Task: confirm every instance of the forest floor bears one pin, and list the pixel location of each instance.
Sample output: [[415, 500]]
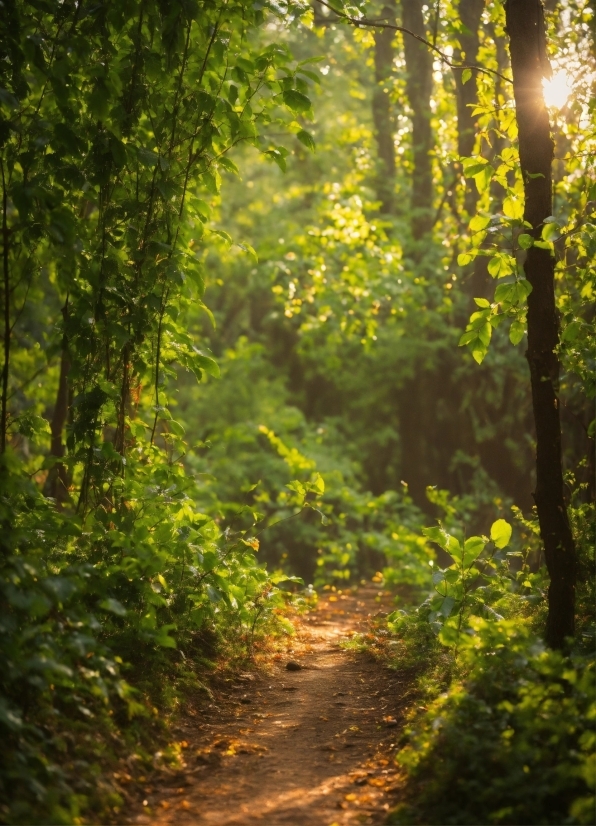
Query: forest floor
[[313, 745]]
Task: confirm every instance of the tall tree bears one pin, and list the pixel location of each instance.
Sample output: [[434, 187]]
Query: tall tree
[[383, 117], [529, 62], [470, 14], [419, 84]]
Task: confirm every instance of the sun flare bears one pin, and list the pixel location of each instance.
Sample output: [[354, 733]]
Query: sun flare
[[557, 90]]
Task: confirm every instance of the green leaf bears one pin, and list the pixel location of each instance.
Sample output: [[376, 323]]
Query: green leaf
[[310, 75], [297, 487], [202, 207], [279, 576], [449, 633], [296, 101], [228, 163], [516, 332], [436, 535], [484, 178], [479, 351], [233, 93], [206, 363], [147, 157], [482, 302], [29, 425], [472, 166], [206, 309], [446, 607], [138, 429], [222, 234], [523, 288], [163, 639], [278, 155], [513, 207], [212, 181], [467, 337], [214, 594], [525, 241], [308, 60], [473, 547], [444, 540], [479, 222], [317, 484], [504, 293], [500, 265], [466, 75], [306, 138], [176, 428], [572, 331], [500, 533], [113, 606], [550, 231], [250, 250]]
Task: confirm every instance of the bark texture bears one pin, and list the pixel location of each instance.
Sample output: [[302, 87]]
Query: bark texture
[[382, 110], [434, 420], [416, 399], [470, 13], [529, 63], [419, 84], [58, 479]]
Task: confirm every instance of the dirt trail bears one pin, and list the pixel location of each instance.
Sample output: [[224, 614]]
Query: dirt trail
[[311, 746]]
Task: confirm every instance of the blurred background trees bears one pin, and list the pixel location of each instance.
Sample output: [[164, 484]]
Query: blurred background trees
[[363, 282]]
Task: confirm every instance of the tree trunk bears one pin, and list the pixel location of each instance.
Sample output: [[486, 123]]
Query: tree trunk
[[529, 63], [470, 13], [381, 110], [58, 480], [417, 397], [419, 84]]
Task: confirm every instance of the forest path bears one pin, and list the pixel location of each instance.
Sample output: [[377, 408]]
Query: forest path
[[307, 746]]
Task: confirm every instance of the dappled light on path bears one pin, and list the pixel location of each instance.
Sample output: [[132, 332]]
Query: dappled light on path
[[309, 746]]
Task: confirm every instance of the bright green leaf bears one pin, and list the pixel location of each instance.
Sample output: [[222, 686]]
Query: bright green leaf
[[500, 533]]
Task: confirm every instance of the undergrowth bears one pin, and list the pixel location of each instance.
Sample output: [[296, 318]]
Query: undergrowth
[[503, 730]]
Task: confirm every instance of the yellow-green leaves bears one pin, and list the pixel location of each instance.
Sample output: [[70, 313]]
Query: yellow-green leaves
[[501, 264], [516, 332], [473, 547], [480, 170], [513, 207], [478, 333], [500, 533], [441, 537]]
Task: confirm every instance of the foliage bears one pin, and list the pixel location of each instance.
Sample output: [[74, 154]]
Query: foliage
[[508, 732], [352, 532], [115, 121], [220, 352], [512, 740]]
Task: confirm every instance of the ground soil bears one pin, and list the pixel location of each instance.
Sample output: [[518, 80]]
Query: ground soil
[[311, 746]]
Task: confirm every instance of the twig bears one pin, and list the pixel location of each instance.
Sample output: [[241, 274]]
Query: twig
[[378, 24]]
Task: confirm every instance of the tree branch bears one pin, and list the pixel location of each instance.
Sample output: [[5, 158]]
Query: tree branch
[[378, 24]]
